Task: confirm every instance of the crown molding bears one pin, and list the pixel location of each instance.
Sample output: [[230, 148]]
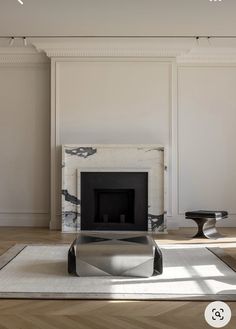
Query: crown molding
[[21, 55], [184, 52], [208, 55], [131, 47], [110, 52]]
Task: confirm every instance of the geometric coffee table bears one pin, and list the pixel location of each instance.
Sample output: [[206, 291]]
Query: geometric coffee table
[[114, 254], [206, 222]]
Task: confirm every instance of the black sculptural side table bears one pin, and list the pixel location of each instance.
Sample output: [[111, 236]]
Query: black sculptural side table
[[206, 222]]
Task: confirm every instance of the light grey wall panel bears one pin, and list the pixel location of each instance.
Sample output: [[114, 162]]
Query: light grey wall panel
[[206, 138], [114, 101], [24, 144]]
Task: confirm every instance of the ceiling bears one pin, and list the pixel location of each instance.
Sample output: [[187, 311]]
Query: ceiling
[[117, 18]]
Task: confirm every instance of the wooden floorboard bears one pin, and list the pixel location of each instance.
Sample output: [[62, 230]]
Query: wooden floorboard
[[85, 314]]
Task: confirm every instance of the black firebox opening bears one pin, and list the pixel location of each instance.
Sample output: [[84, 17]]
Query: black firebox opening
[[114, 205], [114, 201]]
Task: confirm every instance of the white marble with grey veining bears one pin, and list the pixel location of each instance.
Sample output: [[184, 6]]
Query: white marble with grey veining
[[78, 158]]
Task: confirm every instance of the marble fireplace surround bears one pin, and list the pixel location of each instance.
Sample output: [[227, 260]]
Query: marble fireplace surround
[[77, 158]]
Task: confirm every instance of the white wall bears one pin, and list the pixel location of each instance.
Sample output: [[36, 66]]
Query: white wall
[[206, 137], [24, 144], [114, 101], [117, 99]]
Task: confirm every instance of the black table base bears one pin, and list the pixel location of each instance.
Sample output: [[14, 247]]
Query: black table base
[[206, 222]]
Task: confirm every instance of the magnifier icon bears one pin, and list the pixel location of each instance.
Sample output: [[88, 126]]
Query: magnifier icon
[[217, 314]]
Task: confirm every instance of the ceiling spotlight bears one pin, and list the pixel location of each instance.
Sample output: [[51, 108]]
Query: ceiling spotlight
[[11, 41], [21, 2]]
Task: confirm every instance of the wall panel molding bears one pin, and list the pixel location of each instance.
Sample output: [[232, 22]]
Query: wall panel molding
[[55, 128], [217, 110], [24, 108]]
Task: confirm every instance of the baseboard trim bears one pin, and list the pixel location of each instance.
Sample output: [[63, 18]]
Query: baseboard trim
[[21, 219], [172, 224], [43, 220]]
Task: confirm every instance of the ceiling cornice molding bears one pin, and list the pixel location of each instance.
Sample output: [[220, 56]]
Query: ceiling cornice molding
[[184, 53], [21, 55], [111, 52], [131, 47], [204, 55]]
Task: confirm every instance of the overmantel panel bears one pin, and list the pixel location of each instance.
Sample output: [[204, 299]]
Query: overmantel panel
[[59, 106]]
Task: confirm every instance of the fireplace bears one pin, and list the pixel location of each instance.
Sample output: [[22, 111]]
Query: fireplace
[[113, 187], [114, 201]]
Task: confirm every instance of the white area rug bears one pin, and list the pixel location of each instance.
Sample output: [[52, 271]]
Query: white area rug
[[190, 272]]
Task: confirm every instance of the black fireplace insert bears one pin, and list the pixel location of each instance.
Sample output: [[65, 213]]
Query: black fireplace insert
[[114, 201]]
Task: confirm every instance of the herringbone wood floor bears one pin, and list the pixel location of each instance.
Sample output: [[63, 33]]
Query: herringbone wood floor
[[62, 314]]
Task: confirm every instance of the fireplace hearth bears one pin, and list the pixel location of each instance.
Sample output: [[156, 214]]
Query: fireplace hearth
[[114, 201]]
